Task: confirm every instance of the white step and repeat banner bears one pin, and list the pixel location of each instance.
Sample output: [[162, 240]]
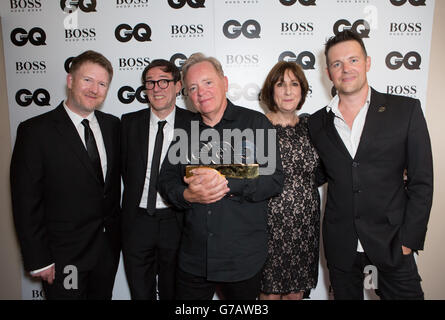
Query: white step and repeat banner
[[247, 36]]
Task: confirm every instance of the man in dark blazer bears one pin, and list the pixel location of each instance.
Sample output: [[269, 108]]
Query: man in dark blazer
[[65, 187], [151, 228], [368, 143]]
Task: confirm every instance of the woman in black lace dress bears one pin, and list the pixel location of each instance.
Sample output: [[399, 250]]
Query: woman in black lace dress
[[294, 216]]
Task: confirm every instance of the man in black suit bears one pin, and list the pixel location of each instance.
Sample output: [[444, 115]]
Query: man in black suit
[[367, 141], [65, 188], [151, 228]]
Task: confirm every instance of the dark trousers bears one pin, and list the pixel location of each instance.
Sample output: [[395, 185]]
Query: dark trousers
[[191, 287], [402, 283], [150, 254], [94, 284]]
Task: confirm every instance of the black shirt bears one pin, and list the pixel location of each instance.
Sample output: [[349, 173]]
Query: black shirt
[[226, 241]]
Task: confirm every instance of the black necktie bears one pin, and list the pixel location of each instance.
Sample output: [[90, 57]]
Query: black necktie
[[93, 153], [152, 189]]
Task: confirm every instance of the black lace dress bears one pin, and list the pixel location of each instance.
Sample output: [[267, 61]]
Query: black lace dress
[[294, 217]]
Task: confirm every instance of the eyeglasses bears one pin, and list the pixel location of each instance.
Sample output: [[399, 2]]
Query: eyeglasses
[[162, 83]]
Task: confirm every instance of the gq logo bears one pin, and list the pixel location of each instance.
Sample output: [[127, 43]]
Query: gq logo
[[305, 59], [35, 36], [84, 5], [360, 27], [415, 3], [127, 95], [302, 2], [178, 4], [67, 64], [411, 60], [141, 32], [251, 29], [25, 98], [250, 92], [178, 59]]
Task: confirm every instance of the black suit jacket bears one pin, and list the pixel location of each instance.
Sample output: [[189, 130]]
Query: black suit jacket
[[367, 198], [60, 207], [134, 153]]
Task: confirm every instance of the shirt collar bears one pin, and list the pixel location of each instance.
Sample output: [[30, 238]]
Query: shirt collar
[[333, 104], [170, 118], [76, 119], [229, 114]]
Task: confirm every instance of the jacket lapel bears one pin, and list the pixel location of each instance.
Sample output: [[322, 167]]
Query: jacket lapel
[[107, 137], [333, 135], [373, 123], [143, 132], [67, 130]]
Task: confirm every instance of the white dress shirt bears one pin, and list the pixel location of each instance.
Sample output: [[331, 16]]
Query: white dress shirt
[[350, 136], [94, 125], [169, 129]]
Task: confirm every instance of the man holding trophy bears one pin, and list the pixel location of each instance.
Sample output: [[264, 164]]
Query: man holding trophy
[[229, 179]]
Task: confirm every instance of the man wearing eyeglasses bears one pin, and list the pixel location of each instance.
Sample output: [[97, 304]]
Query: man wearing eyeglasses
[[151, 228]]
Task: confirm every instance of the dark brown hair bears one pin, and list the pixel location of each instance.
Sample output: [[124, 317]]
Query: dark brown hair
[[167, 67], [93, 57], [346, 35], [275, 75]]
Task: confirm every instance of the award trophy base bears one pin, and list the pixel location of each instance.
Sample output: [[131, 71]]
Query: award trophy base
[[237, 171]]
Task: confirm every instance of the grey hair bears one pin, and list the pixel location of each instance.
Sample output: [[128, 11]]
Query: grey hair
[[199, 57]]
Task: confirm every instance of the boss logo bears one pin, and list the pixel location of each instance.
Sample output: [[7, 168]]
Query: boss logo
[[38, 294], [302, 2], [127, 95], [129, 2], [25, 98], [25, 4], [36, 36], [184, 30], [130, 63], [30, 66], [360, 27], [406, 90], [297, 27], [251, 29], [240, 59], [411, 60], [306, 59], [405, 27], [69, 6], [141, 32], [178, 4], [415, 3], [178, 59], [77, 34], [249, 92]]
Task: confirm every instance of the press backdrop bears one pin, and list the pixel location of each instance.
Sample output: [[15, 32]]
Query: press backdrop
[[247, 36]]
